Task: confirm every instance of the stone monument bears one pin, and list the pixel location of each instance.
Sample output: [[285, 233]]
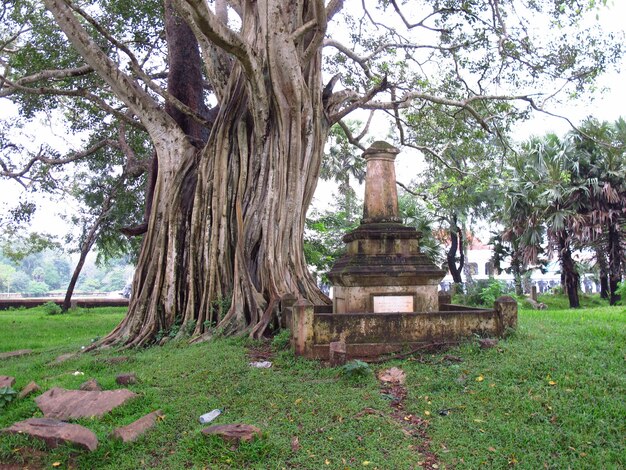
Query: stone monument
[[383, 270]]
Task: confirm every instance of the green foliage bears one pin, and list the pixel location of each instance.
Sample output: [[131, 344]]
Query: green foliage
[[7, 395], [280, 341], [51, 308], [323, 243], [494, 289], [356, 371], [221, 305], [483, 293], [35, 288]]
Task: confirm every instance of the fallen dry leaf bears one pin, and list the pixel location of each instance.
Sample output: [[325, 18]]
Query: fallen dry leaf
[[295, 444], [480, 378], [393, 375]]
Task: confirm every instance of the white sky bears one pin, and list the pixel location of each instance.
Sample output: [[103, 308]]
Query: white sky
[[605, 105]]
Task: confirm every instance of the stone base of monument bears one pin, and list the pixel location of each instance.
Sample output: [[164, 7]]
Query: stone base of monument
[[371, 335], [385, 290]]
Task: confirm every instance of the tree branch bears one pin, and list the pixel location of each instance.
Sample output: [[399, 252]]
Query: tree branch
[[13, 88], [139, 102], [8, 173], [136, 67]]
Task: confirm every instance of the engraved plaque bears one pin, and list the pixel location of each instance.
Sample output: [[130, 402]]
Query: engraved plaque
[[392, 303]]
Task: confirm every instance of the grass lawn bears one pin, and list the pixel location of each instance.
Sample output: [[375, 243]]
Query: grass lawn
[[553, 395]]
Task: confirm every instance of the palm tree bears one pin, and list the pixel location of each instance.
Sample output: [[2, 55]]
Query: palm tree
[[547, 193], [599, 148]]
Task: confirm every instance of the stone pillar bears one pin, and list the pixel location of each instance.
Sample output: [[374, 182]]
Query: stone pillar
[[506, 310], [302, 328], [381, 195], [533, 293], [286, 304]]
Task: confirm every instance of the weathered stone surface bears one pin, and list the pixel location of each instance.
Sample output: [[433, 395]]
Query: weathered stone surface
[[506, 309], [126, 379], [62, 358], [233, 433], [337, 353], [90, 385], [136, 429], [70, 404], [54, 432], [19, 352], [487, 343], [32, 387], [6, 381]]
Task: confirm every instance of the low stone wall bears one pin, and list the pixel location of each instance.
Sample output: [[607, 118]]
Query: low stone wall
[[369, 335], [81, 302]]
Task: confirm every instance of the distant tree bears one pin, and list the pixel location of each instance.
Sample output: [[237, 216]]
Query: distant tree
[[7, 275], [37, 288]]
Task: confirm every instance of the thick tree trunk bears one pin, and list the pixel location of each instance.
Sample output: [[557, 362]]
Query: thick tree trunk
[[568, 271], [238, 241], [615, 261]]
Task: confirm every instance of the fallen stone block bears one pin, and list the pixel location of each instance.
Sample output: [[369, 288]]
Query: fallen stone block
[[54, 432], [32, 387], [18, 353], [71, 404], [6, 381], [487, 343], [136, 429], [126, 379], [233, 433], [90, 385]]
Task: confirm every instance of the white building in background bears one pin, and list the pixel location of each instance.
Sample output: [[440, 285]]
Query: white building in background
[[479, 260]]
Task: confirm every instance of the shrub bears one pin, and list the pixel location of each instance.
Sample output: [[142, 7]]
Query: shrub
[[50, 308], [281, 340], [356, 370], [492, 291], [7, 395]]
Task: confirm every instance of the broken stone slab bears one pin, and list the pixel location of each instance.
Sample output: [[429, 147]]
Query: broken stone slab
[[6, 381], [90, 385], [32, 387], [18, 353], [71, 404], [233, 433], [136, 429], [487, 343], [126, 379], [54, 432], [337, 353]]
